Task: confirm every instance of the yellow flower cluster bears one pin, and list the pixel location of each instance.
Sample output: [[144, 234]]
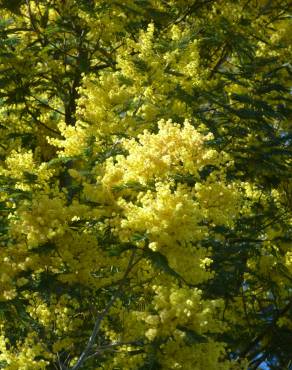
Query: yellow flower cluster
[[20, 165], [174, 149], [83, 260], [182, 307], [167, 217], [75, 139], [177, 355], [28, 355], [42, 220], [172, 215], [57, 316]]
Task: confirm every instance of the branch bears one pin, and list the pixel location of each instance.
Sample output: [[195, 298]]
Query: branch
[[38, 121], [113, 345], [85, 354], [266, 331], [191, 9], [221, 60], [46, 105]]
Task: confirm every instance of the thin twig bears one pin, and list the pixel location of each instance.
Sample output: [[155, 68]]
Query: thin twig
[[38, 121], [266, 331], [85, 354], [46, 105], [111, 346]]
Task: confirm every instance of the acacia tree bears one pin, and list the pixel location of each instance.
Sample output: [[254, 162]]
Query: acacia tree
[[145, 184]]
